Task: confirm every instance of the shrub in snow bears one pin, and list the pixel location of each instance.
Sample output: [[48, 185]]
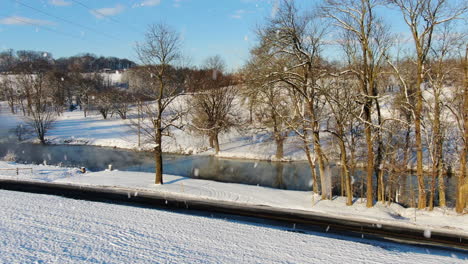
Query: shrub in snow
[[10, 156], [21, 132]]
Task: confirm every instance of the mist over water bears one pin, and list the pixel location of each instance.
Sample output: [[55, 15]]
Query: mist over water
[[280, 175]]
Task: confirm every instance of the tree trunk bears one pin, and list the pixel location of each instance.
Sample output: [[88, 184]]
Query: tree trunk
[[352, 161], [279, 175], [317, 147], [211, 139], [42, 138], [442, 200], [370, 155], [279, 147], [12, 106], [436, 148], [22, 107], [279, 138], [158, 157], [315, 187], [342, 180], [406, 153], [381, 184], [216, 143], [460, 204], [139, 123], [345, 174], [380, 150], [418, 142]]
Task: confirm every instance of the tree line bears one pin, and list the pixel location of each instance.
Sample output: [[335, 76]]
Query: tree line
[[13, 61], [394, 108]]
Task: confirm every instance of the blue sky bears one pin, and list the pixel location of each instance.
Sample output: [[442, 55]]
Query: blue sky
[[208, 27]]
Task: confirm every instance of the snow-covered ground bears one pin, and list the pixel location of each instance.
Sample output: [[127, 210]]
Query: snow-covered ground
[[445, 220], [37, 228], [74, 128]]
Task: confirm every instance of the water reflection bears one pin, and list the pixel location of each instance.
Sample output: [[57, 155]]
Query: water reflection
[[289, 176]]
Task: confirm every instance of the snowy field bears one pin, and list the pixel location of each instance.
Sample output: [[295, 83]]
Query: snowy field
[[74, 128], [445, 220], [37, 228]]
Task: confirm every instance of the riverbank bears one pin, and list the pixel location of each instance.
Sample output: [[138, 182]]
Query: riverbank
[[72, 128], [439, 219]]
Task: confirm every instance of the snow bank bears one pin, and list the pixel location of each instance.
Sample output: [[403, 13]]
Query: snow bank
[[443, 219]]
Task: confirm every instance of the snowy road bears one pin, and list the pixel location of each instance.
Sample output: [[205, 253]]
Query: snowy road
[[38, 228]]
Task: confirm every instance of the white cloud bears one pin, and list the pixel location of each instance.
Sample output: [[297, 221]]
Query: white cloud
[[108, 11], [238, 14], [148, 3], [59, 2], [18, 20]]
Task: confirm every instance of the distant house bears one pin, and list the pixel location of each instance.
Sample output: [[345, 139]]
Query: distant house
[[107, 70]]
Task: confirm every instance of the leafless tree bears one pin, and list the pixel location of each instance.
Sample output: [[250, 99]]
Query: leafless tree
[[212, 101], [58, 82], [459, 109], [41, 113], [300, 37], [422, 18], [121, 102], [464, 153], [365, 41], [158, 54], [9, 91], [441, 74], [87, 86], [104, 96], [267, 95], [343, 111]]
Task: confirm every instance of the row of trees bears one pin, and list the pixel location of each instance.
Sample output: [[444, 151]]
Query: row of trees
[[13, 61], [422, 93], [42, 89], [41, 92]]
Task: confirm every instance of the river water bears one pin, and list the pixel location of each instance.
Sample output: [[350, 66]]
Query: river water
[[280, 175]]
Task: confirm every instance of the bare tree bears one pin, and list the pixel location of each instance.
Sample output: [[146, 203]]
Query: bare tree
[[212, 101], [9, 91], [86, 85], [300, 37], [104, 96], [441, 75], [365, 40], [267, 96], [464, 153], [459, 109], [41, 113], [121, 102], [422, 18], [343, 112], [58, 82], [158, 53]]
